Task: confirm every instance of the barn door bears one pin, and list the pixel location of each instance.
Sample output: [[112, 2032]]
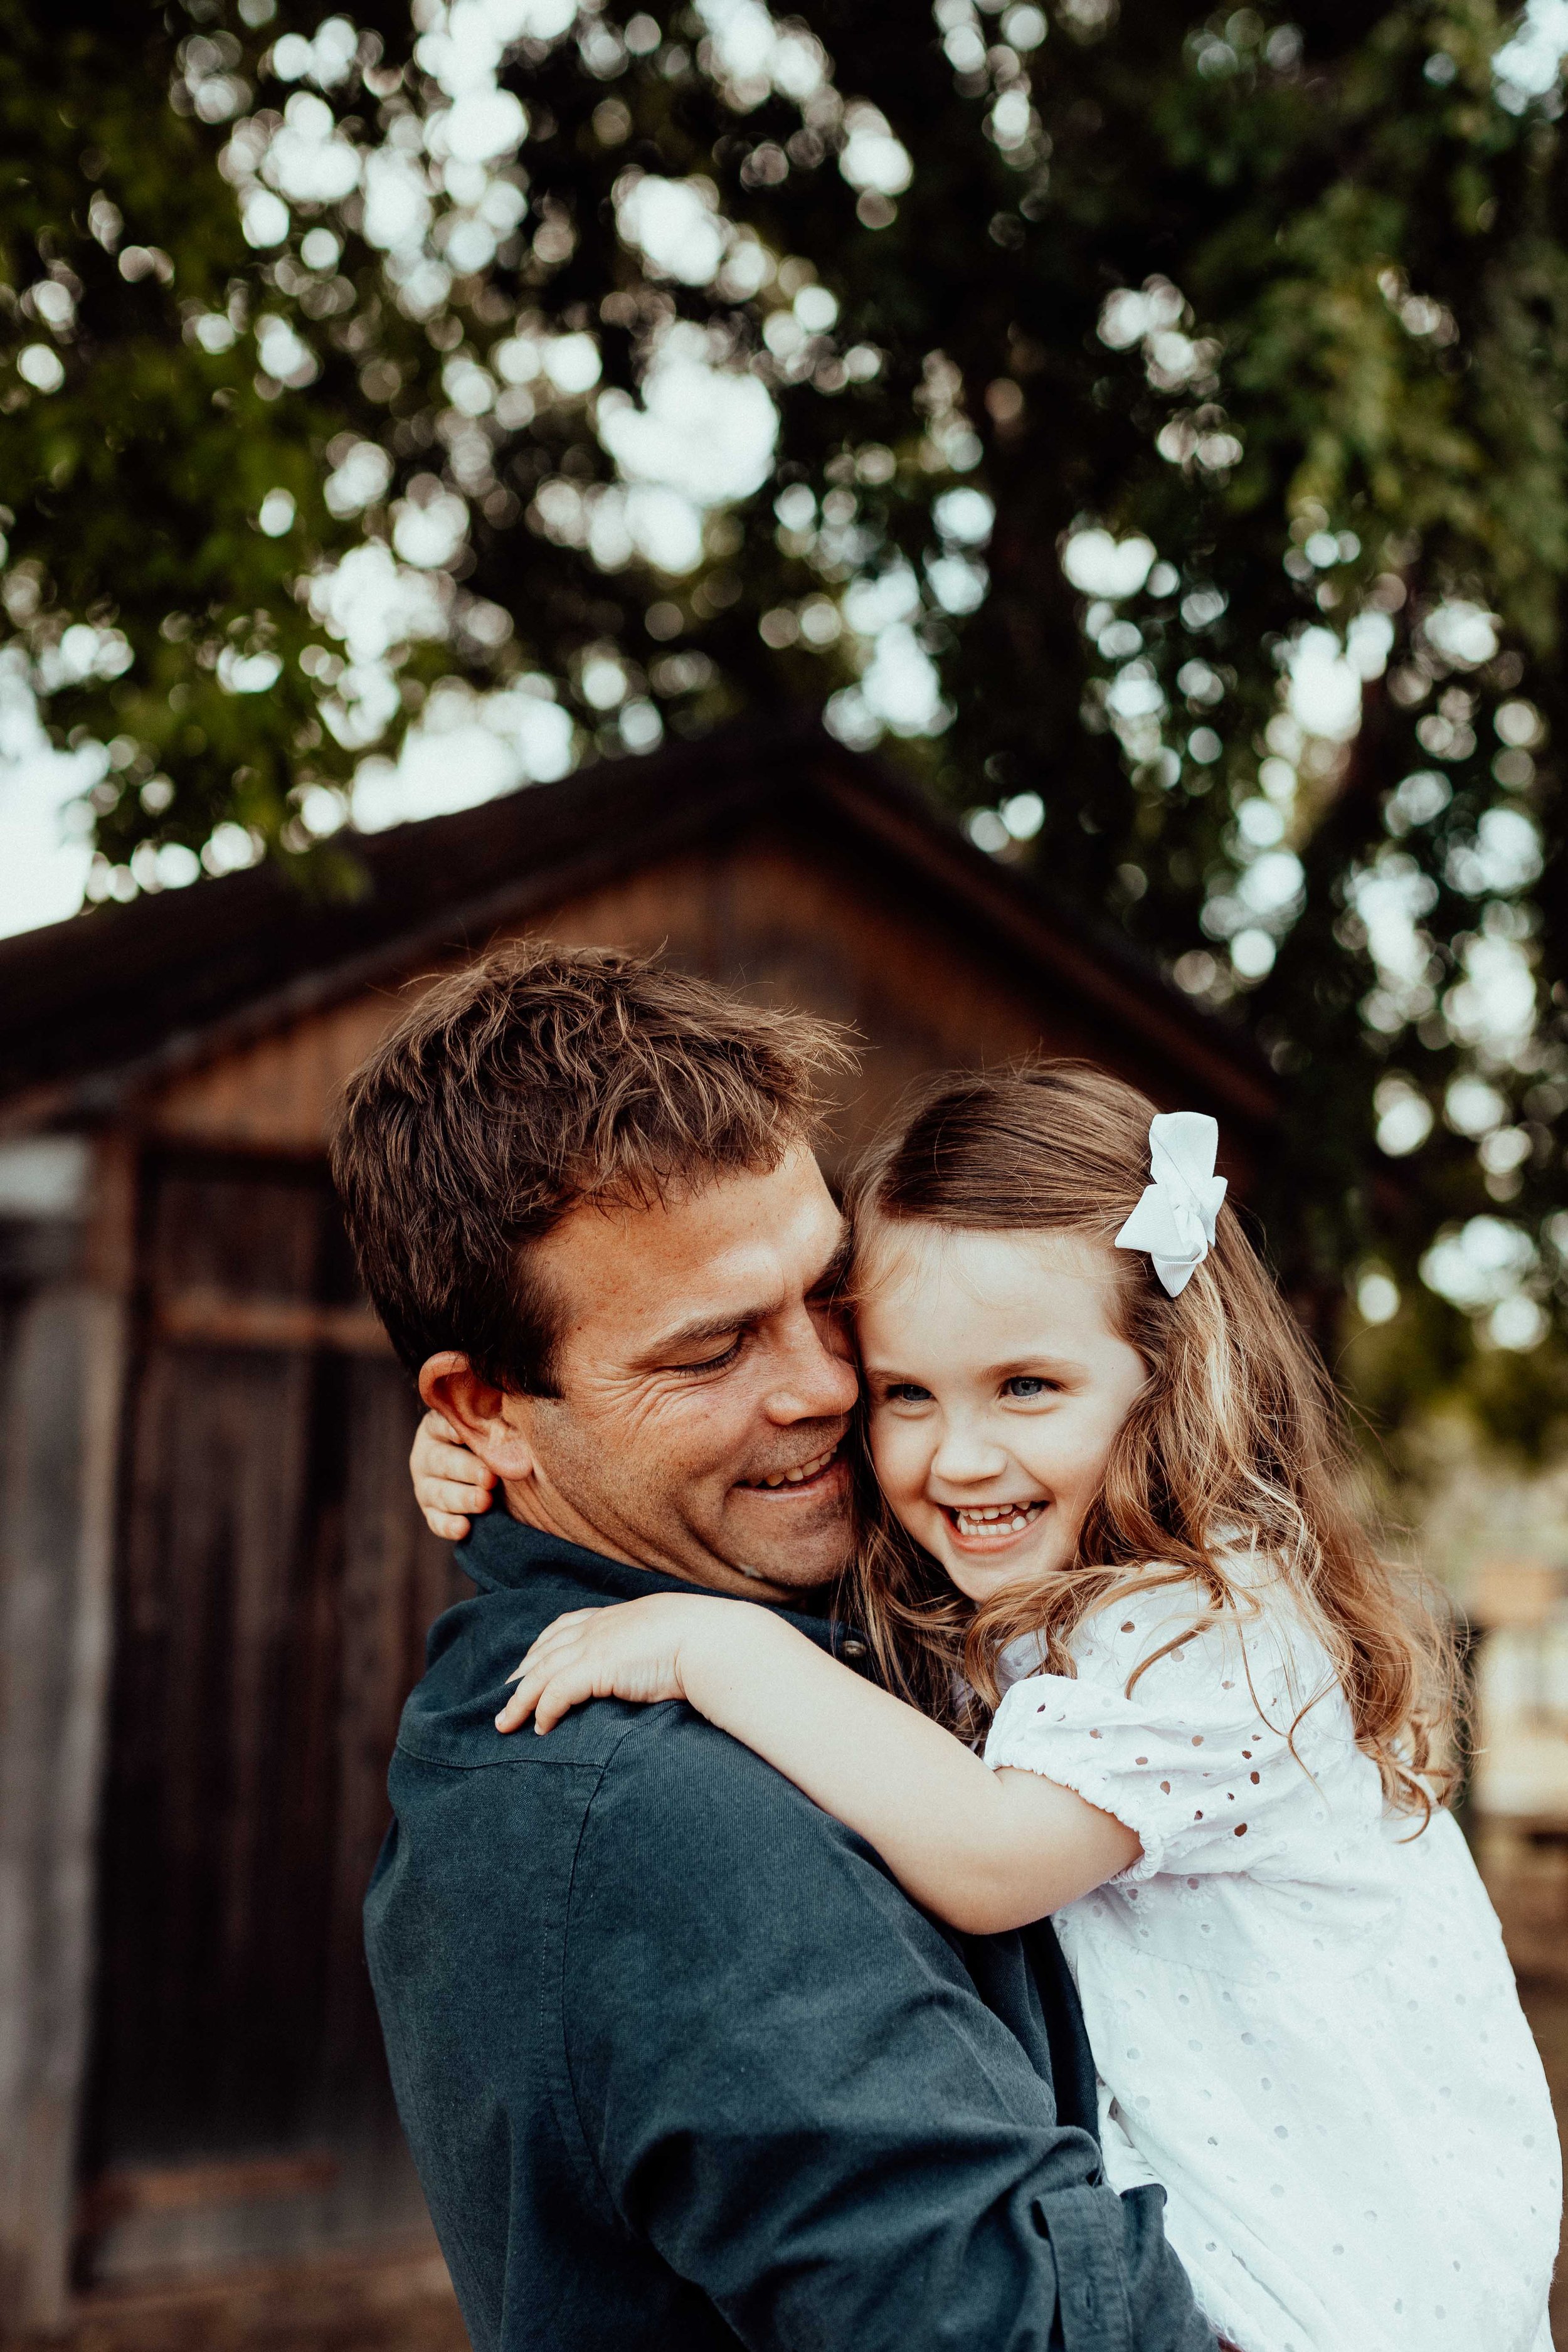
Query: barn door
[[274, 1587]]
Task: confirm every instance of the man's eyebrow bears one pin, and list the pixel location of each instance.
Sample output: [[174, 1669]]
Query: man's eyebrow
[[829, 1283], [704, 1328], [701, 1329]]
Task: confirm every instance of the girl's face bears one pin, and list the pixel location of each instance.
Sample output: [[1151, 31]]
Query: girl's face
[[997, 1381]]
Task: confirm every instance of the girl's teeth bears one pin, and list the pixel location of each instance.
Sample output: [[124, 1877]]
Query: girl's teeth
[[997, 1519]]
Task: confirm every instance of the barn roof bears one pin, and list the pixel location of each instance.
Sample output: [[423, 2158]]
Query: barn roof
[[112, 996]]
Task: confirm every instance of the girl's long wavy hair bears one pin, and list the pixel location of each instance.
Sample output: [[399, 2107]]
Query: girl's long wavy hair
[[1236, 1441]]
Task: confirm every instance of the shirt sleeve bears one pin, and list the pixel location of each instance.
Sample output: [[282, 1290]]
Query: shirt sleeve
[[787, 2081], [1209, 1758]]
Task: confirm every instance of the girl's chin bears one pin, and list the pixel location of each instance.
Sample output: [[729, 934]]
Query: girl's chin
[[979, 1572]]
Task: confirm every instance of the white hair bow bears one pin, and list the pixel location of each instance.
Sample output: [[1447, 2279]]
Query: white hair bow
[[1174, 1221]]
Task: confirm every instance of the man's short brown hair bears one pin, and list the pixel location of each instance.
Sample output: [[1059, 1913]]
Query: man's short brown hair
[[540, 1079]]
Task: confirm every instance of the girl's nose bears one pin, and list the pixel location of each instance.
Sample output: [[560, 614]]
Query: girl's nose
[[966, 1456]]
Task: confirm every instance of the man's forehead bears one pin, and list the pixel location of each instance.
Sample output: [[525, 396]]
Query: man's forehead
[[746, 1231]]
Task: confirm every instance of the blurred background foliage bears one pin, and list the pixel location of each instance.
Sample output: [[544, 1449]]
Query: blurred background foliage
[[1147, 426]]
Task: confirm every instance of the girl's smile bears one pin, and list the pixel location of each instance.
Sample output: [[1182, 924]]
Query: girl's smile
[[997, 1380], [992, 1527]]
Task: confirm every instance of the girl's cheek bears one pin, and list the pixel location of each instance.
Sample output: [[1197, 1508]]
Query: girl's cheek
[[898, 1456], [878, 1440]]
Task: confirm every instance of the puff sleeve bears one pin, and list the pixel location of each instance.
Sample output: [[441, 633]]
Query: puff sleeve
[[1210, 1758]]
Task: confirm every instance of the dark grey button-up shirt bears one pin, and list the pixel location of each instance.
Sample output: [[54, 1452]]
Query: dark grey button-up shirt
[[680, 2065]]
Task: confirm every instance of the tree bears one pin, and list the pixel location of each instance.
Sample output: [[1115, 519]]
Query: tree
[[1150, 422]]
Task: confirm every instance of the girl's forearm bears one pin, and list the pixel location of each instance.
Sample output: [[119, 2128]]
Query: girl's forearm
[[982, 1850]]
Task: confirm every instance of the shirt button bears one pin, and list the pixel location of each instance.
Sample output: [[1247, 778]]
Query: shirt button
[[854, 1650]]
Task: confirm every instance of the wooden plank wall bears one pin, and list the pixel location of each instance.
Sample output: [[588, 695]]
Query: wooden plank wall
[[274, 1587], [62, 1328], [782, 920]]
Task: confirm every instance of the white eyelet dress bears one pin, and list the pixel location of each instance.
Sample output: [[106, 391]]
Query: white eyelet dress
[[1305, 2024]]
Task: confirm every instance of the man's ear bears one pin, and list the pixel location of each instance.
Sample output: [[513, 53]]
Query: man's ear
[[493, 1422]]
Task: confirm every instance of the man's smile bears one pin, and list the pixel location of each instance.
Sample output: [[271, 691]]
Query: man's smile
[[811, 1475]]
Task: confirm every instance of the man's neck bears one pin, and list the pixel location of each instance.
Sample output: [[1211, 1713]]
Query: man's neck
[[554, 1516], [526, 1502]]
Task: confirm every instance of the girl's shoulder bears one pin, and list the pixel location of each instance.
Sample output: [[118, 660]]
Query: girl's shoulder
[[1200, 1721], [1164, 1627]]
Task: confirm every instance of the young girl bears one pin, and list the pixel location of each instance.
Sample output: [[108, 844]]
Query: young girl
[[1109, 1532]]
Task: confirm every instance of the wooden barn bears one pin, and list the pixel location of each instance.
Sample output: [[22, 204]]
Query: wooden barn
[[213, 1585]]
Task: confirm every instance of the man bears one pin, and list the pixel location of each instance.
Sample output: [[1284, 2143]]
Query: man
[[679, 2063]]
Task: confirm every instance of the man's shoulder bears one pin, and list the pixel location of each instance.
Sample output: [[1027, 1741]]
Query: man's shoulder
[[706, 1828], [671, 1757], [448, 1718], [664, 1759]]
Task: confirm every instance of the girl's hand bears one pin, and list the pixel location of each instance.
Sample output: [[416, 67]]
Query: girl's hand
[[638, 1650], [451, 1486]]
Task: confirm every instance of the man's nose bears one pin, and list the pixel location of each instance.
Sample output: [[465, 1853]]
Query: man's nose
[[816, 1380]]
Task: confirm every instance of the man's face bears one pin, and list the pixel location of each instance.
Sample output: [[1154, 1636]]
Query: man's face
[[705, 1385]]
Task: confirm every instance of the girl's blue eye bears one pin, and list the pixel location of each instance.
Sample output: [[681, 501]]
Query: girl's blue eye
[[1025, 1385], [907, 1392]]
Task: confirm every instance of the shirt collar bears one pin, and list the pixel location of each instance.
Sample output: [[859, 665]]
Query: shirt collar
[[503, 1554]]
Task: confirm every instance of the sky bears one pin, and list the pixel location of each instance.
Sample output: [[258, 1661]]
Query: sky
[[43, 866]]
